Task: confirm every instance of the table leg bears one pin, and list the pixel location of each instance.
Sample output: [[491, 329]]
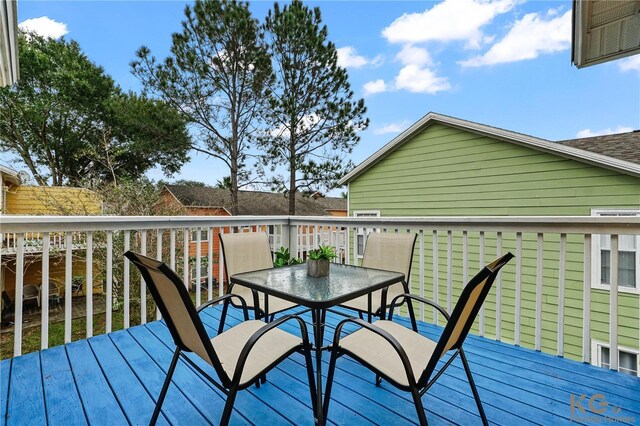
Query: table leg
[[318, 316]]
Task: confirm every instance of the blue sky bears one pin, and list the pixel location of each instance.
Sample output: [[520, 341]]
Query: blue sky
[[505, 63]]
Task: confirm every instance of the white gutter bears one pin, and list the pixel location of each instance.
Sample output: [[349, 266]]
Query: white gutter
[[8, 42]]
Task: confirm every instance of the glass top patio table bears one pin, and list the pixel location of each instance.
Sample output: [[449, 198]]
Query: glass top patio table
[[345, 282]]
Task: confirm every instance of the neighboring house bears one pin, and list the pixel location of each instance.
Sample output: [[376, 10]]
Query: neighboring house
[[206, 201], [445, 166], [18, 199]]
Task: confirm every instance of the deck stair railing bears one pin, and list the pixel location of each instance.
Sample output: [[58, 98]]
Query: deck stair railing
[[545, 299]]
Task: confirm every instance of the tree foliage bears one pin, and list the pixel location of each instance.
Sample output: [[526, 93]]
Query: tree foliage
[[68, 121], [312, 115], [216, 76]]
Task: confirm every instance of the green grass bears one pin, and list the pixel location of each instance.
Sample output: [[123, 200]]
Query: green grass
[[31, 336]]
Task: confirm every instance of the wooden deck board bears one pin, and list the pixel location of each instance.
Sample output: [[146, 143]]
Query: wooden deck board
[[100, 404], [26, 401], [63, 401], [115, 379]]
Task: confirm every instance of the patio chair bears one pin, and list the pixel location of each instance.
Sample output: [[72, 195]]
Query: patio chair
[[30, 292], [407, 359], [391, 252], [239, 355], [244, 253], [8, 308], [54, 292]]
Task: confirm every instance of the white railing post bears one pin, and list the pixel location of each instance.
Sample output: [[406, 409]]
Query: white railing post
[[421, 263], [109, 283], [126, 283], [44, 294], [499, 290], [17, 328], [435, 273], [562, 266], [480, 266], [613, 305], [539, 268], [518, 308], [89, 285], [586, 301], [68, 279], [143, 283]]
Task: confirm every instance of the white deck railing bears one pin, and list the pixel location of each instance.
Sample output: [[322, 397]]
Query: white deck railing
[[459, 246]]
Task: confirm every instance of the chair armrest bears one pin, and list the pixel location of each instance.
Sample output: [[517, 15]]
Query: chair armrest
[[419, 299], [382, 333], [225, 297], [244, 354]]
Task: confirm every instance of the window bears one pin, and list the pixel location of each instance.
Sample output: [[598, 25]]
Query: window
[[628, 256], [275, 236], [204, 235], [627, 358], [204, 271], [361, 232]]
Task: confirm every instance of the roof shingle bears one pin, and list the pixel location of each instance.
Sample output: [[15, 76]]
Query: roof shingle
[[623, 146], [255, 203]]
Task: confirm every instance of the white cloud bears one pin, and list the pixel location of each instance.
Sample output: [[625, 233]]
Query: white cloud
[[44, 27], [305, 123], [447, 21], [588, 133], [420, 80], [391, 128], [349, 58], [529, 37], [630, 64], [411, 55], [375, 86]]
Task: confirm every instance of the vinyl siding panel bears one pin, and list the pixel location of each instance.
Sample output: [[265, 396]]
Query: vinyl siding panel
[[445, 171], [41, 200]]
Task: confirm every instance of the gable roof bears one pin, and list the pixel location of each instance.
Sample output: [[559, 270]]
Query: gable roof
[[623, 146], [539, 144], [254, 203]]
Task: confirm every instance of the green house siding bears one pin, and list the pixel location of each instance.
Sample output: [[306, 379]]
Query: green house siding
[[445, 171]]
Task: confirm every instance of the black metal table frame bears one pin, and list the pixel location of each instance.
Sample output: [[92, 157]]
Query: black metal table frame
[[318, 316]]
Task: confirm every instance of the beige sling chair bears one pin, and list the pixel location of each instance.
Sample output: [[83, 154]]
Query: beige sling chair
[[407, 359], [391, 252], [239, 356], [246, 252]]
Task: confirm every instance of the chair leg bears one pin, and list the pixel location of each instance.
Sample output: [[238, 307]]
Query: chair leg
[[311, 379], [165, 387], [228, 406], [329, 382], [223, 316], [467, 370], [417, 400]]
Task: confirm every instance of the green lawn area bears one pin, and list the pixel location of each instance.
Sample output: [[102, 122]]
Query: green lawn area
[[31, 332]]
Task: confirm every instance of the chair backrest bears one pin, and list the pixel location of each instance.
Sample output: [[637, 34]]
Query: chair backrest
[[390, 251], [246, 252], [31, 290], [466, 310], [177, 309]]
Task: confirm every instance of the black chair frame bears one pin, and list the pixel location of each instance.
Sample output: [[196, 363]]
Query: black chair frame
[[425, 381], [226, 384]]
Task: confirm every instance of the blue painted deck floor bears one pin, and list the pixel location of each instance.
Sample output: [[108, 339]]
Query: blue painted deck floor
[[114, 379]]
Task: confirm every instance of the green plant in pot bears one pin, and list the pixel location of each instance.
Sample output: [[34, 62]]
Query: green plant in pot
[[283, 258], [318, 260]]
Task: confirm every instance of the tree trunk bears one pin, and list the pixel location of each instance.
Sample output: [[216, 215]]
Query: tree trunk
[[292, 187]]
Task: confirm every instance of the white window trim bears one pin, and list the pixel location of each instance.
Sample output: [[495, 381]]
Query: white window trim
[[360, 231], [194, 231], [595, 254], [596, 355]]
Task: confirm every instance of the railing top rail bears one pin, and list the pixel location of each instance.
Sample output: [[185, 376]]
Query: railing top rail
[[12, 224], [557, 224]]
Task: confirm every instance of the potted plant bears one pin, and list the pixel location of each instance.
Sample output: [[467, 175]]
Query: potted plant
[[318, 261], [283, 258]]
